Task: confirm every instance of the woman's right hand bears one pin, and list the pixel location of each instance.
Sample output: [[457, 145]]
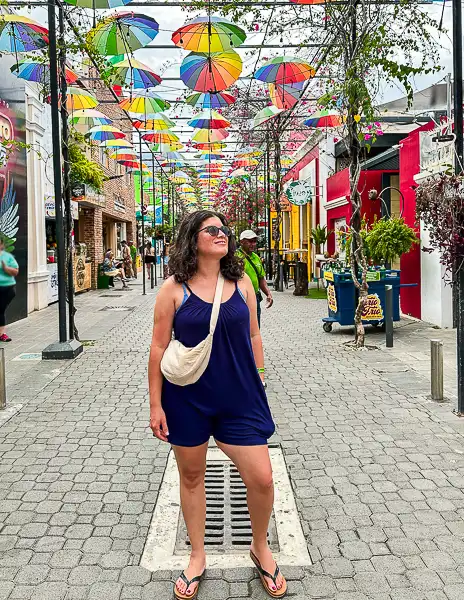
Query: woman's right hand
[[158, 423]]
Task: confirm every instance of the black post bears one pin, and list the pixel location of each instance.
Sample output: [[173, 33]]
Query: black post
[[267, 188], [458, 131], [144, 275], [61, 349], [389, 316], [154, 219], [66, 178]]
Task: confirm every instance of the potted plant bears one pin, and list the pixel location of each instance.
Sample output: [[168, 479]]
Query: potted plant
[[319, 236], [390, 238]]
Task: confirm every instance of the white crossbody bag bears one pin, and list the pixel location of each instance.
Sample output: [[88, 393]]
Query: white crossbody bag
[[184, 366]]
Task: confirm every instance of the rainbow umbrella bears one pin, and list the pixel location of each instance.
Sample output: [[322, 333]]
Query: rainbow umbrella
[[285, 69], [127, 154], [160, 123], [98, 3], [171, 148], [103, 133], [209, 34], [268, 112], [210, 135], [209, 119], [210, 72], [116, 144], [211, 146], [21, 34], [285, 95], [133, 74], [212, 156], [248, 151], [140, 170], [144, 105], [31, 70], [179, 177], [79, 99], [162, 137], [207, 100], [173, 163], [173, 155], [246, 162], [122, 33], [130, 163], [324, 118], [89, 118]]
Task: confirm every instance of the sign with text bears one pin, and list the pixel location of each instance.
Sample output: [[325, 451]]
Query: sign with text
[[300, 192], [332, 298], [372, 309]]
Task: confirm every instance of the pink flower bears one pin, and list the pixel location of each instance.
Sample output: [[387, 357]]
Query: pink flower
[[369, 127], [367, 136], [379, 132], [377, 124]]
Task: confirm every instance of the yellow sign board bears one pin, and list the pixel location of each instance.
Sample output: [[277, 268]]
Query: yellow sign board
[[328, 276], [372, 309], [332, 298]]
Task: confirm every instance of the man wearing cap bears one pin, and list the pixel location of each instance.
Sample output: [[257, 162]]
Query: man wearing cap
[[254, 268]]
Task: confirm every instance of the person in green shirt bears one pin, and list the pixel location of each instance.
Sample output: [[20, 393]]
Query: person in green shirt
[[8, 272], [133, 253], [254, 268]]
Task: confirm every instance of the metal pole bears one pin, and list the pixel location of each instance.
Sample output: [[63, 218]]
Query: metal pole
[[459, 148], [66, 174], [143, 219], [2, 380], [281, 277], [436, 370], [61, 270], [154, 219], [389, 316], [268, 210]]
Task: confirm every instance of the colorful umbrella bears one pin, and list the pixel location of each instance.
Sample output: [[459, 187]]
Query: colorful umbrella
[[212, 156], [173, 156], [285, 95], [31, 70], [89, 118], [285, 69], [144, 105], [122, 33], [248, 151], [133, 74], [126, 154], [79, 99], [131, 164], [179, 177], [210, 146], [21, 34], [210, 135], [173, 163], [209, 34], [268, 112], [324, 118], [207, 100], [140, 170], [103, 133], [170, 148], [164, 137], [209, 119], [116, 144], [210, 72], [160, 123], [98, 3], [245, 162]]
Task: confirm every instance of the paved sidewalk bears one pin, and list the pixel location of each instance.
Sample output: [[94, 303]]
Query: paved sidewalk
[[377, 471]]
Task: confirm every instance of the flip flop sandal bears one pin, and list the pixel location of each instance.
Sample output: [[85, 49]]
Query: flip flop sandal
[[263, 574], [187, 582]]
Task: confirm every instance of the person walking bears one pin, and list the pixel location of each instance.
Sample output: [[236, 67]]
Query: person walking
[[126, 259], [133, 252], [149, 251], [227, 402], [254, 269], [9, 270]]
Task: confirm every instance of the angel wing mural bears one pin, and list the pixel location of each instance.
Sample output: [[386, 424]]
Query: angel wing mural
[[9, 217]]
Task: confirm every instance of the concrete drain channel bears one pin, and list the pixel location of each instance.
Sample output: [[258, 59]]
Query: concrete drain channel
[[228, 528]]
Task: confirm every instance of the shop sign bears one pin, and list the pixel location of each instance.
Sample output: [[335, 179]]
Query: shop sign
[[300, 192], [372, 309], [52, 269], [50, 208], [332, 298], [84, 193], [373, 276], [436, 151], [328, 276]]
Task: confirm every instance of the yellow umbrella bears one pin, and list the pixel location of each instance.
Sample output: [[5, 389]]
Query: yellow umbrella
[[116, 144]]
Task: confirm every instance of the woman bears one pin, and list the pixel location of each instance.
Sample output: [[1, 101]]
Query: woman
[[228, 401], [8, 271], [111, 270], [148, 251], [126, 259]]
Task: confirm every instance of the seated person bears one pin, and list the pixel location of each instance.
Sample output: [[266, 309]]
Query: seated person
[[111, 270]]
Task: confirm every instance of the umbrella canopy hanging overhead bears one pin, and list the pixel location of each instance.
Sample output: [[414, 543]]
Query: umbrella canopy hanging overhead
[[207, 100], [79, 99], [133, 74], [246, 162], [248, 151], [103, 133], [324, 118], [164, 137], [125, 154], [168, 148], [209, 119], [122, 33], [179, 177], [116, 144], [212, 156], [131, 164], [210, 135], [21, 34], [209, 34], [98, 3], [144, 105], [268, 112], [31, 70], [159, 123], [89, 118], [285, 69], [210, 146], [213, 72], [173, 163], [285, 95]]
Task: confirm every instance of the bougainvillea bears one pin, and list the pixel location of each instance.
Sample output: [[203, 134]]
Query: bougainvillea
[[440, 206]]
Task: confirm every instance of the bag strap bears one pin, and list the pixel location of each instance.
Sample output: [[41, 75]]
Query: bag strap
[[216, 303], [253, 265]]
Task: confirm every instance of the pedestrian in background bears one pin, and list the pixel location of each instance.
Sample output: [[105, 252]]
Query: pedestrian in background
[[126, 259], [133, 251], [111, 269], [228, 401], [254, 268], [149, 251], [9, 269]]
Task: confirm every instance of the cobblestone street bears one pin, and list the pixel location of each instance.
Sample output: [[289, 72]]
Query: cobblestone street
[[377, 468]]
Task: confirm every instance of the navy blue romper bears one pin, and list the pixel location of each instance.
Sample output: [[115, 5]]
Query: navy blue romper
[[228, 401]]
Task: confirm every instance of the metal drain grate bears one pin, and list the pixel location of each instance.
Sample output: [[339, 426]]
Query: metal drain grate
[[118, 308], [111, 296], [228, 526]]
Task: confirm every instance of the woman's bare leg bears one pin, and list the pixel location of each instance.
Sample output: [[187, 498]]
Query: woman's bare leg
[[254, 466], [191, 463]]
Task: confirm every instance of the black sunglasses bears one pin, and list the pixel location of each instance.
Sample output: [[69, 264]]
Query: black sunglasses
[[214, 230]]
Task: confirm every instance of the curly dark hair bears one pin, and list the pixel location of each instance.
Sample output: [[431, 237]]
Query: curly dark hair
[[183, 255]]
